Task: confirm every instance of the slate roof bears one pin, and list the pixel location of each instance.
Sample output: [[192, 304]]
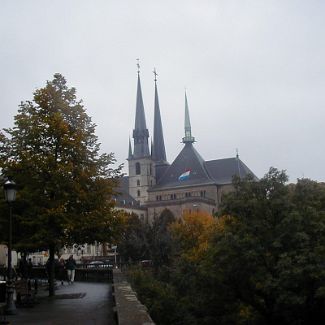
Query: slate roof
[[123, 198], [218, 172], [222, 171], [188, 159]]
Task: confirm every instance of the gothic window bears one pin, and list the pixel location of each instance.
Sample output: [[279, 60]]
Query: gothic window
[[137, 168], [139, 193], [138, 182]]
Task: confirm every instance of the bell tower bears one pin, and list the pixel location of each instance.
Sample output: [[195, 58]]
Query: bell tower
[[141, 164]]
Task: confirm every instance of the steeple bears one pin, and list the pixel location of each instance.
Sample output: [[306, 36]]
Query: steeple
[[140, 132], [188, 133], [158, 148]]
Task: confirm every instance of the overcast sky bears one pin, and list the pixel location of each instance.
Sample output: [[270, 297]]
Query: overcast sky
[[254, 72]]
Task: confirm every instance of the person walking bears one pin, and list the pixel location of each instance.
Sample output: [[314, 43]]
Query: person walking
[[61, 270], [70, 265]]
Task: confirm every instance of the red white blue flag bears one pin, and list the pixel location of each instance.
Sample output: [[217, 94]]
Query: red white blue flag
[[184, 176]]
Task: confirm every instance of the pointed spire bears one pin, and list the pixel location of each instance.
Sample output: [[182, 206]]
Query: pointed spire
[[238, 163], [130, 150], [188, 133], [158, 149], [140, 132]]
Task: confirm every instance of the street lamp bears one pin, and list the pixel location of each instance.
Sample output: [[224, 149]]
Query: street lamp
[[9, 188]]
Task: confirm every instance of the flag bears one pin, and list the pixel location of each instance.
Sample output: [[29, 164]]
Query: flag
[[184, 176]]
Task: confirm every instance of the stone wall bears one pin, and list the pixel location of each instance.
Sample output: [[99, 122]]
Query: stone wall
[[128, 308]]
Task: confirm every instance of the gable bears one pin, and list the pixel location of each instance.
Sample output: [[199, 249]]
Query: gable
[[188, 163]]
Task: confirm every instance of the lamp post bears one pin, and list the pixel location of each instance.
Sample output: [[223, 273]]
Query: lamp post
[[9, 188]]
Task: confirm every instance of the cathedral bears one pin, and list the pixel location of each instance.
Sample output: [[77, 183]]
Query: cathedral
[[189, 183]]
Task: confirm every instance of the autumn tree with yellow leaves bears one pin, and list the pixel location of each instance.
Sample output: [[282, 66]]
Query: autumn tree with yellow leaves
[[64, 183]]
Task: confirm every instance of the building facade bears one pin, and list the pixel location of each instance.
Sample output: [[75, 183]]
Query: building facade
[[189, 183]]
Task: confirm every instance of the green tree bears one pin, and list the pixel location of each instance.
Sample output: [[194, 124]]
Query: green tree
[[133, 244], [160, 239], [270, 256], [64, 183], [261, 261]]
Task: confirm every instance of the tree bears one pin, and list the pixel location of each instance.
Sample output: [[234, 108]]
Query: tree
[[270, 256], [133, 243], [147, 241], [65, 184], [192, 233], [261, 261]]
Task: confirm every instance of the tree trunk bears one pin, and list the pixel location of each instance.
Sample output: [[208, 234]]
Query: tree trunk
[[51, 274]]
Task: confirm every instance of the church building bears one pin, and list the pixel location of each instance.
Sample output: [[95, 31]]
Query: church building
[[189, 183]]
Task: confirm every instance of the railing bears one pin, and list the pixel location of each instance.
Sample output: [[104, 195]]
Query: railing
[[93, 274]]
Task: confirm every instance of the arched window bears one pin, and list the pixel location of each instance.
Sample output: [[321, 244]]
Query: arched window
[[137, 168], [138, 182]]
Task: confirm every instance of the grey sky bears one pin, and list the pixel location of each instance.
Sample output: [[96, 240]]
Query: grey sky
[[254, 72]]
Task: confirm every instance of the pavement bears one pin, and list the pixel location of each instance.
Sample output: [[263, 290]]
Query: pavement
[[80, 303]]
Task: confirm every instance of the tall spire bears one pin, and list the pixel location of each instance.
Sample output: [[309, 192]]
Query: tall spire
[[188, 133], [158, 148], [140, 132]]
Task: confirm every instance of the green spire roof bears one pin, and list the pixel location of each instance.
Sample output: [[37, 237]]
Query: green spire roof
[[188, 133]]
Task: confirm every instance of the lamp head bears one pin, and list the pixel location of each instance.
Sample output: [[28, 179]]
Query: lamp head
[[9, 188]]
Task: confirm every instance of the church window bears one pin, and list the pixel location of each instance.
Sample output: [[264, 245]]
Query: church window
[[139, 193], [138, 182], [137, 168]]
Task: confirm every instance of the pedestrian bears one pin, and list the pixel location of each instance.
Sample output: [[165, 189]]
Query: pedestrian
[[29, 269], [70, 265], [22, 268], [61, 270]]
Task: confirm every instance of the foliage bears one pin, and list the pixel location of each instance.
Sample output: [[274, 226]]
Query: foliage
[[64, 183], [261, 261], [160, 240], [193, 232], [271, 254], [144, 241], [159, 297], [133, 243]]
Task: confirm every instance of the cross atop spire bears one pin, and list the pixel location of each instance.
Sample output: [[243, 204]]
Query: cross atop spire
[[188, 133], [138, 65], [155, 73]]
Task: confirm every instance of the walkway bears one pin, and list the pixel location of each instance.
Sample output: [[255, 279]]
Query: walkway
[[81, 303]]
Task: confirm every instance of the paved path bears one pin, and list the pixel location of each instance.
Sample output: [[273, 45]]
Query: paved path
[[80, 303]]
